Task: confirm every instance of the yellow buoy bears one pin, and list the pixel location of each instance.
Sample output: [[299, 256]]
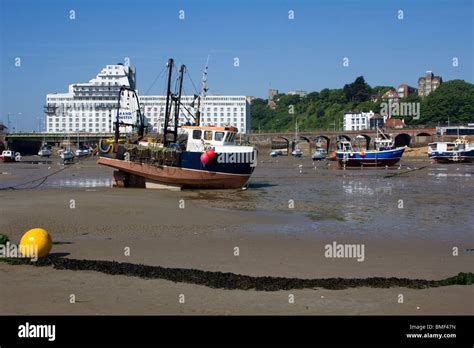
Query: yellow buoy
[[36, 243]]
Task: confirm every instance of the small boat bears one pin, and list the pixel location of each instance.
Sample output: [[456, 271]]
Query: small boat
[[276, 153], [82, 151], [319, 154], [10, 156], [45, 151], [384, 154], [67, 155], [297, 152], [460, 150]]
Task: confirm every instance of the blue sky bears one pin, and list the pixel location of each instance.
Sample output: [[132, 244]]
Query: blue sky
[[304, 53]]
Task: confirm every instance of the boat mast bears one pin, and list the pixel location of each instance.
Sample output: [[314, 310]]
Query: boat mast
[[177, 101], [168, 105], [204, 90]]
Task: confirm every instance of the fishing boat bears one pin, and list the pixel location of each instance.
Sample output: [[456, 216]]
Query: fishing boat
[[319, 154], [10, 156], [189, 156], [383, 154], [460, 150]]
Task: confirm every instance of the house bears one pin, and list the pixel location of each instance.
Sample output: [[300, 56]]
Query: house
[[272, 105], [391, 95], [394, 123]]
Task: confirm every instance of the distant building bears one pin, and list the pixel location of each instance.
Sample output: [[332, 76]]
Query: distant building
[[272, 93], [272, 105], [428, 83], [392, 95], [404, 90], [357, 121], [300, 93], [92, 106], [376, 121], [394, 123]]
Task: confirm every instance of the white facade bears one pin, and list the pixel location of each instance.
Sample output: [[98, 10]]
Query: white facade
[[91, 107], [215, 110], [357, 121]]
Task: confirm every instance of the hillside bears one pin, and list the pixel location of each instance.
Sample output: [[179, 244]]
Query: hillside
[[325, 109]]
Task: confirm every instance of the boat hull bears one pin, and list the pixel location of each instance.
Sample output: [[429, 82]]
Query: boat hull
[[370, 158], [7, 159], [452, 157], [176, 176]]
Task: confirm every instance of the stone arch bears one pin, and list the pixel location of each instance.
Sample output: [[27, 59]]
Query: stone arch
[[328, 140], [402, 139]]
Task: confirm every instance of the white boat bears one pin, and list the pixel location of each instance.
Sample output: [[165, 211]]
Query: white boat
[[297, 152], [10, 156], [67, 155], [45, 151], [460, 150], [82, 151], [319, 154]]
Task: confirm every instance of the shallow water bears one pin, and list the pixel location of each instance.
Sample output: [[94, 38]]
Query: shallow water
[[415, 199]]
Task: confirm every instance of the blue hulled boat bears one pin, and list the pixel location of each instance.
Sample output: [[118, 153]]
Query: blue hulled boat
[[384, 154], [459, 150]]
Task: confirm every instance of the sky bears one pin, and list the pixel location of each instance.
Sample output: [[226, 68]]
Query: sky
[[286, 45]]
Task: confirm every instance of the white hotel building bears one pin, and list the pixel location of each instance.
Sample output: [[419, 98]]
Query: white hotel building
[[92, 107]]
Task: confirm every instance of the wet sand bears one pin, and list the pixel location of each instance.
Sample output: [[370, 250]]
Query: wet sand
[[351, 206]]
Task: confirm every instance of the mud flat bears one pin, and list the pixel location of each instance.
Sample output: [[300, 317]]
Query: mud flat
[[408, 223]]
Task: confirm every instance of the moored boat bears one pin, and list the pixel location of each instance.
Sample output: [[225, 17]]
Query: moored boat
[[384, 154], [10, 156], [319, 154], [460, 150], [189, 156], [45, 151]]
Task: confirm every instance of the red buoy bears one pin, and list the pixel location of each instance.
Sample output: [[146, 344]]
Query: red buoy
[[204, 158], [210, 153]]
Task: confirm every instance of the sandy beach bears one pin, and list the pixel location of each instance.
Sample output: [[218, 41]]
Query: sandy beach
[[280, 225]]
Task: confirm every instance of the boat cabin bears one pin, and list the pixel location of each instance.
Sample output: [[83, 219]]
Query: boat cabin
[[200, 137], [383, 144], [8, 153], [442, 147], [345, 145]]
